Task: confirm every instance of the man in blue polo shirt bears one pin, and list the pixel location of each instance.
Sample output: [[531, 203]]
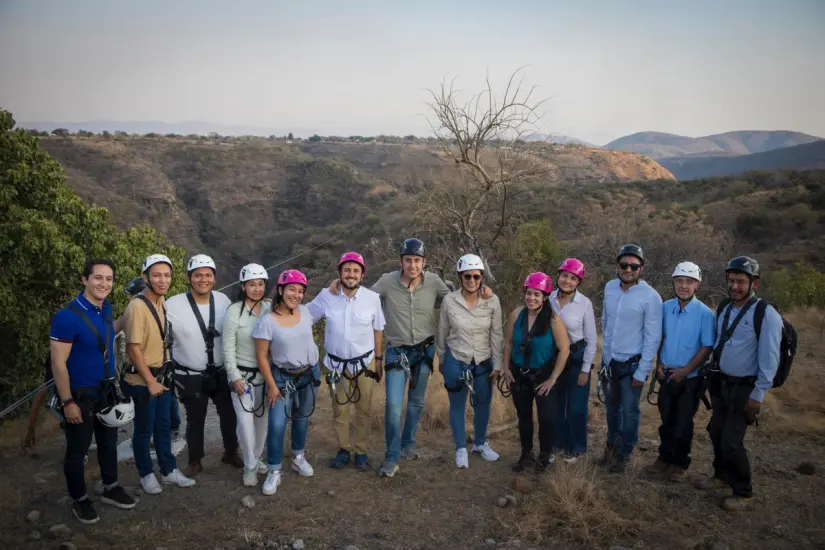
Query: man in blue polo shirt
[[687, 341], [81, 367]]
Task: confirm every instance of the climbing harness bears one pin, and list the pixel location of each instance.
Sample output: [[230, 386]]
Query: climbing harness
[[652, 390], [340, 371], [249, 374], [467, 379], [292, 383], [413, 370]]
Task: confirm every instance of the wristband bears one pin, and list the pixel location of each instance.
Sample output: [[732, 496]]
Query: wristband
[[67, 402], [379, 357]]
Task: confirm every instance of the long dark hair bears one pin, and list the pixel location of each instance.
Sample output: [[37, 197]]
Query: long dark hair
[[277, 298], [542, 323]]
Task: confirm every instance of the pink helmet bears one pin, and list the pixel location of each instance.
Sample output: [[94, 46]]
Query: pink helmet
[[353, 257], [539, 281], [292, 276], [574, 266]]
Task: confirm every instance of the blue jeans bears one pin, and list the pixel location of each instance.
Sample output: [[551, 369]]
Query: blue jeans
[[622, 413], [152, 421], [452, 371], [175, 418], [571, 402], [299, 405], [396, 381]]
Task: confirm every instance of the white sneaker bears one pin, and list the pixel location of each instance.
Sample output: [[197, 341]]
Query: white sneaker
[[486, 452], [150, 484], [263, 469], [176, 477], [250, 477], [273, 479], [461, 458], [300, 465]]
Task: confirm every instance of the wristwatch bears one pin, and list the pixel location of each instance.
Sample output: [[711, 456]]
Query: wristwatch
[[69, 401], [379, 358]]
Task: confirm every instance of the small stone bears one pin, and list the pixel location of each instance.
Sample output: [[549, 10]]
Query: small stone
[[806, 469], [512, 499], [35, 535], [137, 491], [248, 501], [39, 479], [490, 542], [502, 502], [67, 546], [298, 545], [33, 516], [647, 444], [331, 493], [522, 485], [63, 501], [60, 531]]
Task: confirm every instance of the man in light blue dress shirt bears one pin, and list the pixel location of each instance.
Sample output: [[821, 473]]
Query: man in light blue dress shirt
[[687, 340], [747, 362], [631, 331]]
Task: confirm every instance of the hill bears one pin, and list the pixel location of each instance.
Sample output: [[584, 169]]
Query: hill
[[799, 157], [662, 145]]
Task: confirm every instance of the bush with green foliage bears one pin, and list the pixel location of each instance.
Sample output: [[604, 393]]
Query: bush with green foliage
[[802, 286], [48, 233]]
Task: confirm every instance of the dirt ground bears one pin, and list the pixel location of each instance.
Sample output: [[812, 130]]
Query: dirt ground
[[431, 504]]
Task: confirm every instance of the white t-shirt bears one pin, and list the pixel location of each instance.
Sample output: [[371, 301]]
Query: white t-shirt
[[188, 345]]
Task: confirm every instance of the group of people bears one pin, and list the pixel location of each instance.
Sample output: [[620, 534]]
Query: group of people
[[257, 360]]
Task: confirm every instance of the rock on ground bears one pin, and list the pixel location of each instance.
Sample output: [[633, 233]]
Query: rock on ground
[[298, 545], [248, 501], [33, 516], [60, 531]]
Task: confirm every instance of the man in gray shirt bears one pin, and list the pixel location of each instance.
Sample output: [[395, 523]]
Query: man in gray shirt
[[746, 358]]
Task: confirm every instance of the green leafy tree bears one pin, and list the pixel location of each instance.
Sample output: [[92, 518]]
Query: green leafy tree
[[48, 233], [289, 136], [315, 138]]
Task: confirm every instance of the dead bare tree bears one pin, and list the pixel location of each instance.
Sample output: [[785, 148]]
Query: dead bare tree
[[485, 138]]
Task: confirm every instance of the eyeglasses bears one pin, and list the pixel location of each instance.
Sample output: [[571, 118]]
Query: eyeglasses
[[468, 277], [633, 267]]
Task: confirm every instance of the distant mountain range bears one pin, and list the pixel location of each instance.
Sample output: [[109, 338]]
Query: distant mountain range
[[560, 139], [658, 145], [808, 156]]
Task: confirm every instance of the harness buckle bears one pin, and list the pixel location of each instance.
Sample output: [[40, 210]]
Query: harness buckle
[[467, 378]]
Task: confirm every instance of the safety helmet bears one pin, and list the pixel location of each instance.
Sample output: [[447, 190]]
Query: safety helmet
[[200, 260], [574, 266], [250, 272], [469, 262], [687, 269], [539, 281], [135, 286], [632, 250], [292, 276], [353, 257], [744, 264], [155, 259], [413, 247], [118, 414]]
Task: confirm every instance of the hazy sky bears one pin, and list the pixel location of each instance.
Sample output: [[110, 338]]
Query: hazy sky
[[345, 67]]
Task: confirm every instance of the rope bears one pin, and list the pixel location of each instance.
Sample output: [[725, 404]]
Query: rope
[[14, 406], [284, 261]]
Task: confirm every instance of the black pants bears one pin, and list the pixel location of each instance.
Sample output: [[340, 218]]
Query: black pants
[[523, 398], [78, 440], [678, 403], [195, 396], [727, 433]]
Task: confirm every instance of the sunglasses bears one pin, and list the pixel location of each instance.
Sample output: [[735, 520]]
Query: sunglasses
[[468, 277], [633, 267]]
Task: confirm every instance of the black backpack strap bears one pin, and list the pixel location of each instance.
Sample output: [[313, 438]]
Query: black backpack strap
[[727, 332], [528, 336], [207, 333], [163, 330], [101, 344], [759, 316]]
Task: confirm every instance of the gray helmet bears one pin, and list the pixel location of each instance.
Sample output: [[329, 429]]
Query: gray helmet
[[135, 286], [632, 250], [413, 247], [744, 264]]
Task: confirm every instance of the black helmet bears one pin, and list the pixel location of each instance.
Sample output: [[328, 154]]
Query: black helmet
[[413, 247], [135, 286], [744, 264], [632, 250]]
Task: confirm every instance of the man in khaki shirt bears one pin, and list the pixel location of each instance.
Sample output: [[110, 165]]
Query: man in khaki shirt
[[147, 330]]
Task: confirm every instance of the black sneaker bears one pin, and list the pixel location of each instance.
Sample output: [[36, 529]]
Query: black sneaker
[[619, 465], [84, 511], [608, 457], [545, 459], [118, 498], [526, 460]]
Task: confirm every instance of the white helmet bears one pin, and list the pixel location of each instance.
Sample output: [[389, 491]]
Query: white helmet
[[118, 415], [468, 262], [200, 260], [687, 269], [155, 259], [250, 272]]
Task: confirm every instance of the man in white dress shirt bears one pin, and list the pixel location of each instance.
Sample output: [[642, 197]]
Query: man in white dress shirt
[[354, 332]]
